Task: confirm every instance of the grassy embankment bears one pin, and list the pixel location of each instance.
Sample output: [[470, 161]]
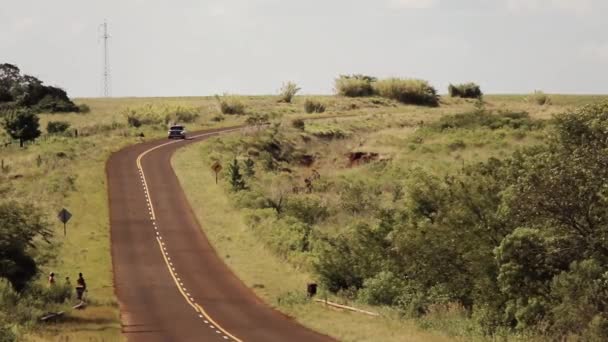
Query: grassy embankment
[[397, 134], [63, 171]]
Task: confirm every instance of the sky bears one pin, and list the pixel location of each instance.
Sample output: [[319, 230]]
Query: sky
[[206, 47]]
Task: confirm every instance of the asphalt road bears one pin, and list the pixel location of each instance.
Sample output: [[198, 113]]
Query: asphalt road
[[170, 283]]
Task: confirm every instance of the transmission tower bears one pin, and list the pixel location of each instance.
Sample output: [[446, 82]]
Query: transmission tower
[[107, 76]]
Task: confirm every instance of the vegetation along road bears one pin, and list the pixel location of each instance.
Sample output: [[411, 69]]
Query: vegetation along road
[[170, 283]]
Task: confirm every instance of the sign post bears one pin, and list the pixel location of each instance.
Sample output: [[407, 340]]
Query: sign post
[[64, 216], [216, 167]]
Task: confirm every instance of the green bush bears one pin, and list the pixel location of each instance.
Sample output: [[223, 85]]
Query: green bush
[[53, 104], [312, 106], [330, 133], [514, 120], [22, 228], [7, 334], [465, 90], [524, 276], [55, 127], [355, 85], [230, 105], [288, 236], [382, 289], [288, 91], [407, 91], [310, 210], [580, 294]]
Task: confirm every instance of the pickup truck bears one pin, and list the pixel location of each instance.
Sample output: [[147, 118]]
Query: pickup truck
[[177, 132]]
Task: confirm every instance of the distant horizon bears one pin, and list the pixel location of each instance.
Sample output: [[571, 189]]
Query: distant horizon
[[304, 95]]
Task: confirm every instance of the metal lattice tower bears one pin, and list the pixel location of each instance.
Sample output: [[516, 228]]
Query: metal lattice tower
[[107, 76]]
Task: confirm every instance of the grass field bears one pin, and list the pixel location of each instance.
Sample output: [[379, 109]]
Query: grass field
[[63, 171]]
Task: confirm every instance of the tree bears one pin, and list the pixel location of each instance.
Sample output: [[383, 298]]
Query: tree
[[9, 75], [236, 178], [21, 226], [28, 91], [22, 124], [564, 186]]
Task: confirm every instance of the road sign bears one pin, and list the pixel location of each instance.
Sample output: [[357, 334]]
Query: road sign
[[64, 216], [216, 167]]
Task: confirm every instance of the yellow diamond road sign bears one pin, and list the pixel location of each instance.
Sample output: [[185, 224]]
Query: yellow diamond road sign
[[64, 216]]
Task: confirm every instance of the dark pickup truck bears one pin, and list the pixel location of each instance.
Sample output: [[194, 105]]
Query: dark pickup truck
[[177, 132]]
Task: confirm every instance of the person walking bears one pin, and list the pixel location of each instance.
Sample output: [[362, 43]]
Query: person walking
[[52, 279], [81, 286]]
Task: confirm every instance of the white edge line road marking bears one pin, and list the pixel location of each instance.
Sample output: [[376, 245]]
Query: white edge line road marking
[[190, 301]]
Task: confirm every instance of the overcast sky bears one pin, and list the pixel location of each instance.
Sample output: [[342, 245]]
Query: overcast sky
[[204, 47]]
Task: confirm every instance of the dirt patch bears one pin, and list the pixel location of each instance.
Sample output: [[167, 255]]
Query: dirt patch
[[360, 158]]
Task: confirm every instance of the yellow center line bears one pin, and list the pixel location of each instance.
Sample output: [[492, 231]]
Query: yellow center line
[[198, 308]]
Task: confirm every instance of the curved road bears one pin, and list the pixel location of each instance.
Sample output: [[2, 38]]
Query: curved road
[[170, 283]]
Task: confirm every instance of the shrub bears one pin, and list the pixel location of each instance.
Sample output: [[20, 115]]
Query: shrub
[[146, 115], [540, 98], [312, 106], [84, 108], [579, 293], [408, 91], [330, 133], [298, 124], [54, 127], [55, 103], [383, 289], [465, 90], [186, 115], [309, 210], [21, 227], [133, 121], [355, 85], [6, 334], [514, 120], [230, 105], [257, 119], [288, 91]]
